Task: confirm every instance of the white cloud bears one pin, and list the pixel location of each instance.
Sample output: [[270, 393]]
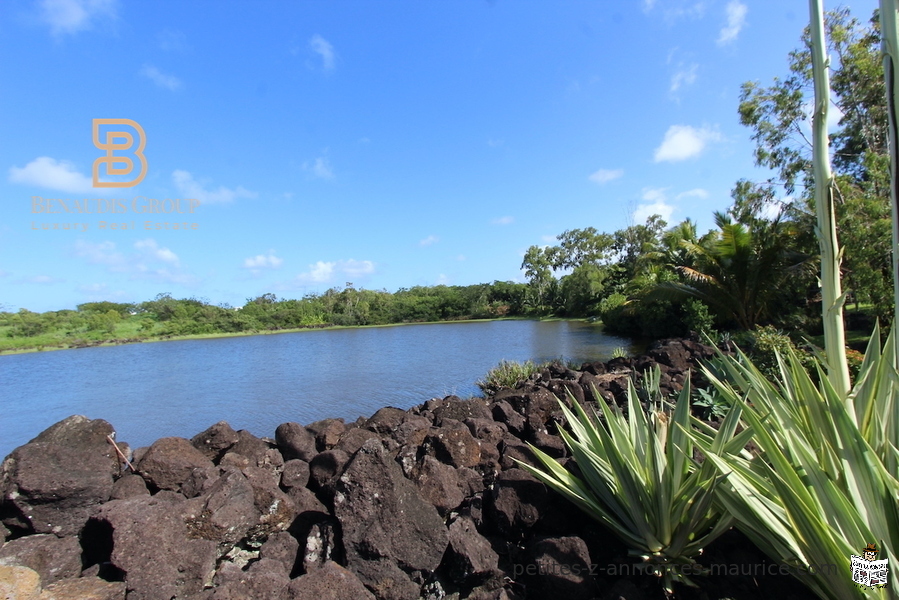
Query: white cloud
[[320, 168], [101, 253], [263, 261], [675, 10], [320, 272], [495, 143], [682, 142], [163, 80], [606, 175], [323, 48], [442, 280], [431, 239], [52, 174], [503, 221], [683, 76], [329, 272], [148, 261], [460, 257], [736, 19], [656, 204], [694, 193], [356, 268], [72, 16], [188, 187], [150, 249]]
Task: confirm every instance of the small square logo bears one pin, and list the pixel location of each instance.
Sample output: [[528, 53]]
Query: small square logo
[[867, 570], [114, 136]]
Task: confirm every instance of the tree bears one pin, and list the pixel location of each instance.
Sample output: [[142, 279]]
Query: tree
[[738, 272], [538, 268], [778, 116], [581, 246]]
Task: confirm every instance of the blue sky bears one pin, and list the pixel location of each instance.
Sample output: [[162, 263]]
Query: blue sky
[[388, 144]]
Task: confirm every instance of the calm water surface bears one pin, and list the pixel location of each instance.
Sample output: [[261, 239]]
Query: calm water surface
[[179, 388]]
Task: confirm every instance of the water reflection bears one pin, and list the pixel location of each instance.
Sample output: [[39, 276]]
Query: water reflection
[[148, 391]]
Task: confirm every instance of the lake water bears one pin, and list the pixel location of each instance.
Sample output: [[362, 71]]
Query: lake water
[[179, 388]]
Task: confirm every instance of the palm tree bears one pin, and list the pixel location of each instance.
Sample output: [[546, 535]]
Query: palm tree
[[739, 271]]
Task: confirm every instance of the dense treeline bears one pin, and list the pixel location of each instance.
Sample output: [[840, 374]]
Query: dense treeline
[[349, 306]]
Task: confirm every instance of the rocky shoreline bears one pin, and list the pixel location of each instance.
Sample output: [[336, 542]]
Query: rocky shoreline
[[407, 504]]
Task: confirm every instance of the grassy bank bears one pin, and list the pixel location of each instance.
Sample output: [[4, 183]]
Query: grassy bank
[[127, 332]]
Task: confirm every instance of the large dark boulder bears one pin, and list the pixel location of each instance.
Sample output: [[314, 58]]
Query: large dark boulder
[[518, 501], [55, 482], [326, 467], [454, 445], [505, 413], [53, 558], [153, 546], [215, 441], [531, 400], [512, 449], [295, 474], [439, 484], [129, 485], [295, 441], [384, 517], [386, 580], [470, 557], [283, 547], [386, 420], [560, 566], [457, 409], [84, 588], [412, 431], [169, 462], [259, 452], [275, 508], [671, 353], [265, 578], [328, 582], [353, 439], [227, 510], [326, 432]]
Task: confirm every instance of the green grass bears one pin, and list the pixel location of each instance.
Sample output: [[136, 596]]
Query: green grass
[[508, 373], [130, 329], [854, 338]]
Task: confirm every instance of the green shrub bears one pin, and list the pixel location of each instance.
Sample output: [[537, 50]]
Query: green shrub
[[698, 318], [639, 478], [507, 373], [823, 483], [764, 344]]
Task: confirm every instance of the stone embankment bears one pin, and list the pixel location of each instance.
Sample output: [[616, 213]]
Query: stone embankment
[[407, 504]]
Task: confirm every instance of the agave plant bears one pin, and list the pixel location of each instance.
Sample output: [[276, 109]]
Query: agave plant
[[640, 480], [824, 483]]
